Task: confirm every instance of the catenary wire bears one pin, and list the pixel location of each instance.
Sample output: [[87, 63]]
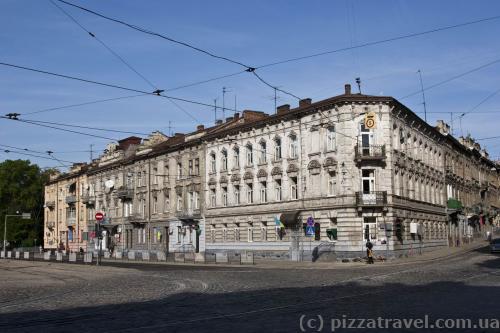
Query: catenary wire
[[248, 68], [149, 32], [83, 104], [452, 78], [121, 59], [61, 129], [85, 127], [110, 85], [382, 41]]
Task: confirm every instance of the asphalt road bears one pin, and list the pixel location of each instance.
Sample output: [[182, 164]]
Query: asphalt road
[[50, 297]]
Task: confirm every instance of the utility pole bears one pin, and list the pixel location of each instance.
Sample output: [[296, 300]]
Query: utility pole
[[169, 128], [224, 103], [275, 99], [91, 153], [215, 110], [423, 94]]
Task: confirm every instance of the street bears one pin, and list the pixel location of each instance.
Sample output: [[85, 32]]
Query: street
[[38, 296]]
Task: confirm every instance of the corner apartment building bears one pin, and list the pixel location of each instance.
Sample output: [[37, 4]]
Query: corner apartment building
[[344, 170]]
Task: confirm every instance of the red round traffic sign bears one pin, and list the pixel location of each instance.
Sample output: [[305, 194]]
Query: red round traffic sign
[[99, 216]]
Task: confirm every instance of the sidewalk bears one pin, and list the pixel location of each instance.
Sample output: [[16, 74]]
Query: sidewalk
[[440, 254]]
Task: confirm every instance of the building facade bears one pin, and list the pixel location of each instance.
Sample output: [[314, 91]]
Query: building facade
[[319, 180]]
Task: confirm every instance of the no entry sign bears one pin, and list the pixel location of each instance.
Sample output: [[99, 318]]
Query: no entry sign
[[99, 216]]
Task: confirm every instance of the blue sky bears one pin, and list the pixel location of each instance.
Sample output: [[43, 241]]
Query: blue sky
[[34, 33]]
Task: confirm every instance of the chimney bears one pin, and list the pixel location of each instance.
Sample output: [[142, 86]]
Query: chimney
[[218, 122], [228, 119], [304, 102], [127, 142], [347, 88], [200, 128], [237, 115], [178, 134], [283, 109]]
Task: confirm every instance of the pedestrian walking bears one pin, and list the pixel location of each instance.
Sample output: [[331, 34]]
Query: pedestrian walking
[[369, 251]]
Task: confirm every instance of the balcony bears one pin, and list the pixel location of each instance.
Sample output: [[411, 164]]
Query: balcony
[[375, 153], [88, 199], [50, 204], [371, 199], [70, 199], [188, 214], [134, 218], [51, 225], [70, 220], [125, 193]]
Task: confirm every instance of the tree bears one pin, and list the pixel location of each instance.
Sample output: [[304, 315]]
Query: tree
[[22, 190]]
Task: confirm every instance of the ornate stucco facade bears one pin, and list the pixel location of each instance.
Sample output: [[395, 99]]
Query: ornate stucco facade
[[316, 180]]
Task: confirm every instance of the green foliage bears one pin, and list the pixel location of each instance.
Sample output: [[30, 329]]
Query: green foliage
[[22, 190]]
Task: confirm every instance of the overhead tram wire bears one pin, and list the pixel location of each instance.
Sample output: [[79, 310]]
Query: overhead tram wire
[[60, 129], [83, 104], [252, 69], [85, 127], [109, 85], [248, 68], [149, 32], [93, 35], [122, 60], [382, 41], [32, 155], [452, 78]]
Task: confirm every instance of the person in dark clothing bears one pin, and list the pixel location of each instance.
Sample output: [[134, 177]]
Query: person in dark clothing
[[369, 251], [81, 251]]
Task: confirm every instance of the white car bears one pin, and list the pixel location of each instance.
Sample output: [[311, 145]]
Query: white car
[[495, 245]]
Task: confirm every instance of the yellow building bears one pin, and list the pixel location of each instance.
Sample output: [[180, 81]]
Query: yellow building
[[65, 213]]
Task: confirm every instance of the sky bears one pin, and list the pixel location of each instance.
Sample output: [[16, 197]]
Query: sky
[[36, 34]]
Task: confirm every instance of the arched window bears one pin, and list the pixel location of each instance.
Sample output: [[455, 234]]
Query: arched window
[[249, 154], [294, 147], [212, 162], [277, 149], [330, 138], [224, 160], [262, 152], [236, 157]]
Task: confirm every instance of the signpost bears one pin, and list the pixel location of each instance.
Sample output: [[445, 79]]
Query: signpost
[[310, 227], [99, 217]]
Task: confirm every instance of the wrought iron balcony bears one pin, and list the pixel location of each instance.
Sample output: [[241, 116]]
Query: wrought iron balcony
[[70, 220], [371, 199], [125, 193], [134, 218], [188, 214], [50, 204], [369, 153], [70, 199], [88, 199]]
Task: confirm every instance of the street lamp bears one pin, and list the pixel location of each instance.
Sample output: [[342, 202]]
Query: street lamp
[[24, 216]]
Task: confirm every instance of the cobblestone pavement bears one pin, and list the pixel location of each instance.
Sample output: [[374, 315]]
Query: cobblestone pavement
[[51, 297]]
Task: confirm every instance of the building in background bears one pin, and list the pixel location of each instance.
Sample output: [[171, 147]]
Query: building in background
[[65, 214]]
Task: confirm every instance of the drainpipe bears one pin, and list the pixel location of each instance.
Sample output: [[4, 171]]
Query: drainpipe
[[149, 205]]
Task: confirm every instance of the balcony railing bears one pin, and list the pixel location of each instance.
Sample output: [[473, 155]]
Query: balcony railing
[[70, 199], [70, 220], [134, 218], [50, 204], [376, 198], [370, 152], [188, 214], [125, 193], [88, 199]]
